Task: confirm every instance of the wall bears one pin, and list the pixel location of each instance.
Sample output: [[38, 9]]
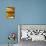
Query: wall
[[27, 12], [31, 11], [6, 26]]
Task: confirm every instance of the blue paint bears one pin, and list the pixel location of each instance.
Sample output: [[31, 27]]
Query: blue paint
[[7, 26], [31, 11], [27, 12]]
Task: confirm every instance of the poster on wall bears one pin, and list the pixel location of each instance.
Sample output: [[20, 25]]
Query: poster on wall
[[32, 32], [10, 12]]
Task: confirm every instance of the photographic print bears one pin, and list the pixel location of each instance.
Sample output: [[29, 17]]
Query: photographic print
[[10, 12], [31, 33]]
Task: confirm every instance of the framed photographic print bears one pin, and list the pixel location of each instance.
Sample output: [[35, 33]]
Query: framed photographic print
[[10, 12]]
